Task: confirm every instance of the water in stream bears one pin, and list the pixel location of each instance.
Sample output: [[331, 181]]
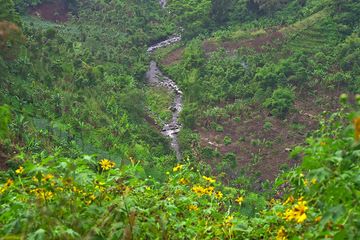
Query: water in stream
[[156, 78]]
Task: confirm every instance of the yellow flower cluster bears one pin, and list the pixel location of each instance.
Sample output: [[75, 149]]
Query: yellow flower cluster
[[183, 181], [200, 191], [240, 200], [281, 234], [47, 177], [228, 221], [219, 195], [100, 186], [178, 167], [42, 194], [297, 212], [106, 164], [20, 170], [193, 208], [209, 179], [8, 183], [289, 200], [91, 198], [313, 181]]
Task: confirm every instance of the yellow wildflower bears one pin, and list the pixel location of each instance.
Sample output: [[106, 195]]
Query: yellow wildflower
[[240, 200], [35, 179], [8, 183], [314, 181], [219, 195], [281, 234], [356, 122], [47, 177], [198, 190], [209, 179], [306, 182], [193, 207], [106, 164], [178, 167], [75, 190], [183, 181], [289, 200], [92, 197], [228, 221], [298, 212], [20, 170], [209, 190], [41, 194], [48, 195], [273, 201]]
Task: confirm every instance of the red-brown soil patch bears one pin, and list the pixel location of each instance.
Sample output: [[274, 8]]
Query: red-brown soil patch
[[269, 40], [210, 46], [249, 138], [259, 44], [55, 11], [173, 57], [3, 158]]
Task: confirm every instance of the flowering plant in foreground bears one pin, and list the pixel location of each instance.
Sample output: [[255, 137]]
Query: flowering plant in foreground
[[60, 198]]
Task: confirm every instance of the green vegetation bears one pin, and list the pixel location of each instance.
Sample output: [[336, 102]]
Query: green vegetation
[[85, 198], [268, 150], [280, 102]]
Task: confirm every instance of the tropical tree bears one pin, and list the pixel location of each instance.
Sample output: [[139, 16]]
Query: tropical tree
[[192, 15]]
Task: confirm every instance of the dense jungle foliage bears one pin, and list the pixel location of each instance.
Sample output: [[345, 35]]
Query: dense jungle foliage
[[270, 120]]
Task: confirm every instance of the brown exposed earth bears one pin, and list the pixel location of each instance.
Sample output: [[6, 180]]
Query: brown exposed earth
[[55, 11], [3, 158], [269, 40], [173, 57], [263, 152]]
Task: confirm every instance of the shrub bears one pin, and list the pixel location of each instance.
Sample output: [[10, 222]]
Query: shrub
[[219, 128], [267, 126], [227, 140], [230, 159], [281, 102]]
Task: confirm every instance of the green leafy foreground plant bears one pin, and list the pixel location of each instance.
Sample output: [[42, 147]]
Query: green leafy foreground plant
[[51, 197]]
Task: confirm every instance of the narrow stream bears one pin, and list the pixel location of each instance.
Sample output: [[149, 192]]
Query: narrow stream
[[156, 78]]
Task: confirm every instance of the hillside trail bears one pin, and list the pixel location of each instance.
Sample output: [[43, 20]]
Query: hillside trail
[[157, 79]]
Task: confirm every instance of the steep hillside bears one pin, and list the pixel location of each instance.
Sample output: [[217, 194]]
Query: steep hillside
[[254, 92], [179, 119], [77, 85]]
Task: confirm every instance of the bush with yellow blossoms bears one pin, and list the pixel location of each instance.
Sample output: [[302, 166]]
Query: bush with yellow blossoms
[[60, 198]]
